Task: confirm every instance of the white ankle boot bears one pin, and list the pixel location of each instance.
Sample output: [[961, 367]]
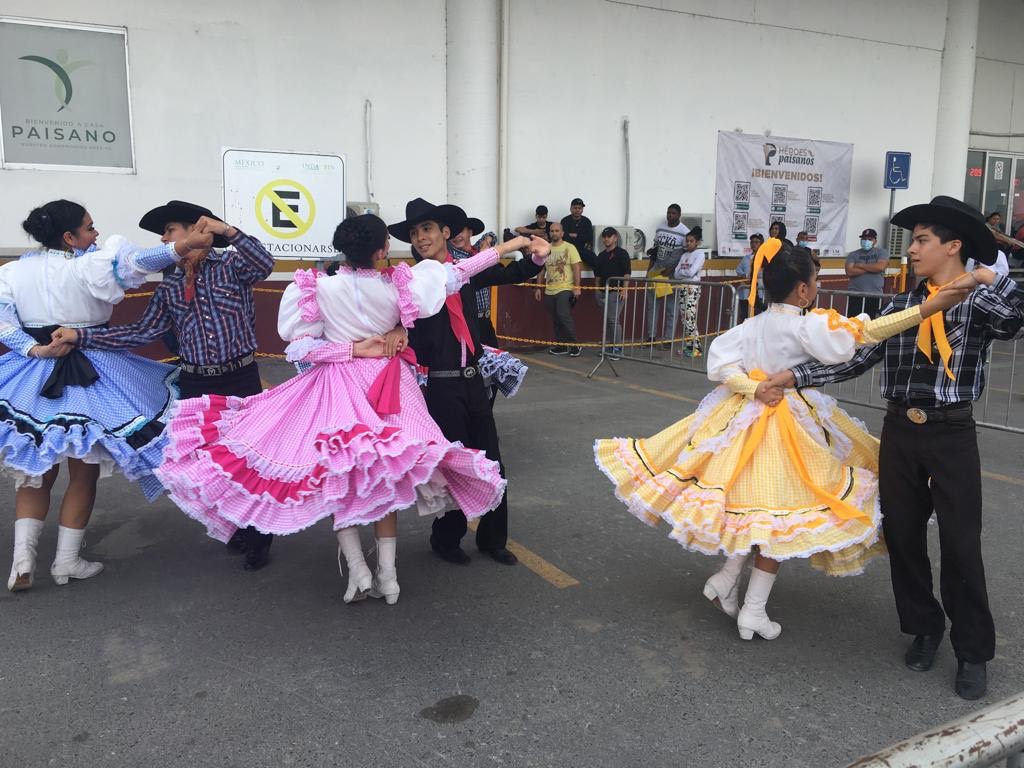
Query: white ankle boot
[[385, 583], [360, 579], [722, 588], [67, 564], [26, 537], [752, 617]]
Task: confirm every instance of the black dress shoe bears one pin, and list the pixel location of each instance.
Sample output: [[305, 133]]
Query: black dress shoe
[[237, 544], [502, 555], [457, 556], [920, 655], [256, 558], [971, 680]]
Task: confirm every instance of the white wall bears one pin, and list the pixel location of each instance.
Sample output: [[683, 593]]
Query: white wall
[[680, 77], [258, 74], [999, 77]]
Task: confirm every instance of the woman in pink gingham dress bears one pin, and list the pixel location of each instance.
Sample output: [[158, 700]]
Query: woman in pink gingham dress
[[349, 438]]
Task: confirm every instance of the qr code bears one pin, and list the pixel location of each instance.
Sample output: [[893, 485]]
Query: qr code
[[777, 217], [814, 197], [779, 194], [739, 222], [741, 192], [811, 225]]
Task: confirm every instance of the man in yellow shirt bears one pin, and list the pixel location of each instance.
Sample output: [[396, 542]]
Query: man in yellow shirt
[[561, 281]]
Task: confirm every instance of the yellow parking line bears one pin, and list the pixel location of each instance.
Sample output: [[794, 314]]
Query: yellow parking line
[[610, 380], [552, 574], [1001, 478]]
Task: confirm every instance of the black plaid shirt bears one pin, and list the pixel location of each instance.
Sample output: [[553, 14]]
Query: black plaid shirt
[[908, 378]]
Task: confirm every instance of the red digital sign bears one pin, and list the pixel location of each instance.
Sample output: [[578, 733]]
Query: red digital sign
[[974, 172]]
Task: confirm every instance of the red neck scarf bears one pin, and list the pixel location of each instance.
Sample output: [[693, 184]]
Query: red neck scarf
[[458, 320]]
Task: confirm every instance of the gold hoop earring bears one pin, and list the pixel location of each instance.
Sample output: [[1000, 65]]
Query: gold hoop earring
[[804, 303]]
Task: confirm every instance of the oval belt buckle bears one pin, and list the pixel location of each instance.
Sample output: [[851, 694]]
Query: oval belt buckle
[[469, 373], [917, 416]]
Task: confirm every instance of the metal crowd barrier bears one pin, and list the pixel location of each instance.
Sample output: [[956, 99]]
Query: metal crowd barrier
[[977, 740], [641, 327], [995, 410]]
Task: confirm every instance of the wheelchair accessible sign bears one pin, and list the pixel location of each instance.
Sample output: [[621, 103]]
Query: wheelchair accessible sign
[[291, 201]]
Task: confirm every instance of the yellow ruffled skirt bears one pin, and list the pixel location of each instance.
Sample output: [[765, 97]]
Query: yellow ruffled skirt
[[689, 476]]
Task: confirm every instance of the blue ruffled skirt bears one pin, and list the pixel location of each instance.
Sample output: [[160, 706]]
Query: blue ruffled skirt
[[117, 422]]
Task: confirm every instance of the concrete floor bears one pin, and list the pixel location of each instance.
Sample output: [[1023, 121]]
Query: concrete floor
[[175, 656]]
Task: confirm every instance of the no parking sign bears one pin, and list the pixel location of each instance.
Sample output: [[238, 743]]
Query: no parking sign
[[291, 201]]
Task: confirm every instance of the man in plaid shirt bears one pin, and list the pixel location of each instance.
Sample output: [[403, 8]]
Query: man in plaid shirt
[[208, 304], [929, 450]]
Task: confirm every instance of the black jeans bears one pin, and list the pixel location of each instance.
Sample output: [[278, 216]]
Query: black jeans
[[947, 455], [462, 410]]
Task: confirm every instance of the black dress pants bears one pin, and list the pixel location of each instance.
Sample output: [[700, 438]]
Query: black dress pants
[[462, 410], [947, 453], [244, 382]]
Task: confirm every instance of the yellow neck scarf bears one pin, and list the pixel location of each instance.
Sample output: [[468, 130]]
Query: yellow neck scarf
[[934, 328], [766, 252]]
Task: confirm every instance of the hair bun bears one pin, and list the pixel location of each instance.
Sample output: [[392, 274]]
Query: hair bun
[[39, 225]]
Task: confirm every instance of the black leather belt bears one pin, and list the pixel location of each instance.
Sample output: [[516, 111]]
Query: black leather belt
[[218, 370], [961, 413], [459, 373]]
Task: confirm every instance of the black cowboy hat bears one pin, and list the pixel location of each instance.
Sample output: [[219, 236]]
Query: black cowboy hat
[[181, 212], [475, 226], [967, 222], [419, 210]]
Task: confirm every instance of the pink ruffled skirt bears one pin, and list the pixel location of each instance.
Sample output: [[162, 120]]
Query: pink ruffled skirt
[[314, 447]]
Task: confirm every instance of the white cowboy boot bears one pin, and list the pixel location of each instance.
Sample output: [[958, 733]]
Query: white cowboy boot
[[360, 578], [385, 583], [67, 564], [722, 588], [26, 536], [752, 616]]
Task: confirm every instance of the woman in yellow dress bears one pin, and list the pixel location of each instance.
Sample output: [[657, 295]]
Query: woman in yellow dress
[[783, 473]]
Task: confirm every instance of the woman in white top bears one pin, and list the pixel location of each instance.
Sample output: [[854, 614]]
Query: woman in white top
[[786, 474], [99, 410], [349, 439]]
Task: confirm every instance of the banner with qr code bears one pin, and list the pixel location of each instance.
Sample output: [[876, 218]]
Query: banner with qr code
[[801, 182]]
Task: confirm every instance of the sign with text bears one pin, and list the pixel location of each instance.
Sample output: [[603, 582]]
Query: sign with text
[[64, 101], [291, 201], [802, 183]]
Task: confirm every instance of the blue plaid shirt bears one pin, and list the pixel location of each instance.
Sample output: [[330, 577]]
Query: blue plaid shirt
[[483, 296], [217, 326]]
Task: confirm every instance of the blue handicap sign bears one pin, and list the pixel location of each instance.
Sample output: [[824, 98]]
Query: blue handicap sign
[[897, 170]]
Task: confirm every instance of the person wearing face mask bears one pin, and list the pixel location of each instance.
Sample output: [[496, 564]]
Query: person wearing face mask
[[865, 268], [99, 410]]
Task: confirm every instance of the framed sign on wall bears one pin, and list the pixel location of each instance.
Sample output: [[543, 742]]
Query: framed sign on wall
[[64, 97]]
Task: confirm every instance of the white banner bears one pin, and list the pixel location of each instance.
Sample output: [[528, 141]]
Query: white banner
[[803, 183], [292, 202]]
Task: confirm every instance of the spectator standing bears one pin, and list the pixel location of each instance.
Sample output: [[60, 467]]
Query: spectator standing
[[691, 269], [612, 261], [866, 269], [669, 244], [743, 269], [561, 280], [578, 229]]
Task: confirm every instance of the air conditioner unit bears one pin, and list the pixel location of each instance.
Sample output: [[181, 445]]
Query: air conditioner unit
[[706, 222], [633, 240], [899, 241], [358, 209]]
